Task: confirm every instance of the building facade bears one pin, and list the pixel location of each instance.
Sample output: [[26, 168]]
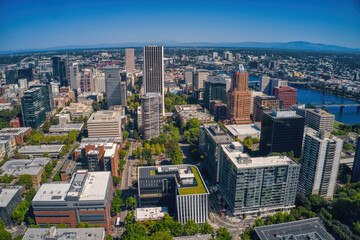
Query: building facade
[[180, 187], [87, 83], [239, 98], [33, 107], [320, 120], [287, 94], [265, 103], [47, 93], [152, 115], [105, 124], [130, 60], [112, 83], [355, 174], [87, 199], [216, 88], [211, 137], [154, 72], [320, 164], [253, 185], [282, 131]]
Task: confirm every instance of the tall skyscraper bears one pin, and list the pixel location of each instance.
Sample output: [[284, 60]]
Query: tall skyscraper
[[130, 60], [189, 75], [154, 71], [33, 107], [287, 94], [200, 76], [60, 66], [152, 115], [355, 175], [123, 88], [320, 164], [265, 85], [216, 88], [239, 97], [87, 83], [281, 131], [74, 76], [250, 185], [48, 96], [113, 85]]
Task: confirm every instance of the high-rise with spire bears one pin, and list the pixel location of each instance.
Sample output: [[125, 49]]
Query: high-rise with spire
[[239, 97]]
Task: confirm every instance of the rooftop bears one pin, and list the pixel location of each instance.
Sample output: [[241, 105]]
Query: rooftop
[[242, 160], [64, 233], [14, 131], [40, 148], [320, 112], [312, 228], [217, 133], [150, 213], [242, 129], [84, 186], [19, 167], [283, 114], [66, 127], [6, 194], [103, 116]]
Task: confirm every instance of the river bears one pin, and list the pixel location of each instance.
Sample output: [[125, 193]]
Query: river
[[349, 115]]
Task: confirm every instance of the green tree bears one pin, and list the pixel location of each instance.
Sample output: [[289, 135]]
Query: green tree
[[126, 135], [45, 154], [5, 235], [46, 127], [130, 216], [193, 123], [26, 180], [134, 153], [108, 237], [206, 228], [223, 234], [123, 154], [191, 228], [116, 180], [62, 225], [131, 202], [176, 155], [161, 235]]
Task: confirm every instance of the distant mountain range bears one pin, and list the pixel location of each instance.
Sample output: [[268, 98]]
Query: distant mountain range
[[296, 45]]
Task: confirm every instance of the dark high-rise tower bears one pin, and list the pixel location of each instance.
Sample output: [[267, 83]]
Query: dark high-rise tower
[[60, 66], [33, 107], [48, 98], [239, 97], [282, 131], [154, 70]]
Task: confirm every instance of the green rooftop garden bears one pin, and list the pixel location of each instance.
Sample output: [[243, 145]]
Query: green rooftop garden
[[200, 189]]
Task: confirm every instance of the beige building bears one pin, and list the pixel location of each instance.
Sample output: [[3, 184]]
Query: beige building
[[78, 110], [253, 96], [105, 124], [320, 120]]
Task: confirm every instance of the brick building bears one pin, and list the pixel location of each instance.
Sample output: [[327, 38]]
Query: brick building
[[265, 103], [239, 97], [287, 94], [87, 199]]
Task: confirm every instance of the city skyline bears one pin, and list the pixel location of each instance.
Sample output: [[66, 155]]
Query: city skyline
[[41, 24]]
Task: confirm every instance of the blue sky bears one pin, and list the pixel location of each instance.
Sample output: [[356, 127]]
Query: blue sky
[[26, 24]]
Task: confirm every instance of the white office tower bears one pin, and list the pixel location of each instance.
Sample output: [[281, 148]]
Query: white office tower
[[152, 116], [189, 75], [154, 71], [320, 163], [23, 83], [265, 85], [130, 60], [74, 76], [113, 85]]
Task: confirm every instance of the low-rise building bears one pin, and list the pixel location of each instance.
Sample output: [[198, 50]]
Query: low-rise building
[[66, 128], [33, 167], [105, 124], [10, 198], [9, 143], [54, 233], [39, 150], [189, 111], [87, 199], [18, 133], [312, 228], [244, 130], [150, 213], [179, 187], [78, 110], [67, 170]]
